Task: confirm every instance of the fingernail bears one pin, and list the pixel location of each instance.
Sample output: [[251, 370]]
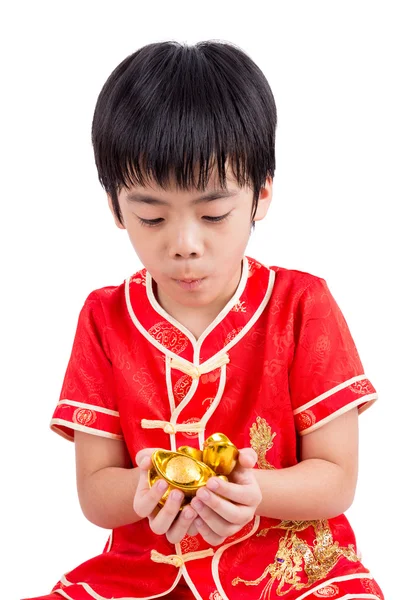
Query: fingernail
[[203, 494], [188, 513], [197, 505], [177, 495], [162, 485], [213, 484], [198, 522]]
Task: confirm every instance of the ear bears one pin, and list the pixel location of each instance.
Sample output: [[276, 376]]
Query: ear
[[110, 205], [264, 200]]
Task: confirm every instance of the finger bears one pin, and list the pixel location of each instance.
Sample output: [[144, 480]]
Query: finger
[[147, 498], [145, 463], [245, 492], [247, 458], [164, 519], [143, 485], [215, 522], [207, 534], [144, 452], [243, 473], [192, 530], [236, 514], [181, 526]]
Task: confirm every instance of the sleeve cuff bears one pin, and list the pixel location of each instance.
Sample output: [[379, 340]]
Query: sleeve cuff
[[96, 420], [357, 391]]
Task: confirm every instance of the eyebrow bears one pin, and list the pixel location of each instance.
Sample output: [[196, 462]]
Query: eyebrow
[[208, 197]]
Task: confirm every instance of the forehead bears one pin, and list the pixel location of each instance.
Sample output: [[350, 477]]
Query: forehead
[[153, 193]]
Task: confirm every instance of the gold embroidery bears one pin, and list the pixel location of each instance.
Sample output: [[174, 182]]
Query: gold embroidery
[[141, 279], [294, 555], [240, 306], [261, 440], [231, 335], [215, 596]]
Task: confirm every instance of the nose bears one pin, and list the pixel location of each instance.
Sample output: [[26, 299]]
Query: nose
[[185, 241]]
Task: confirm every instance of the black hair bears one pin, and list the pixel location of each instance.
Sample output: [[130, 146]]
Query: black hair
[[173, 110]]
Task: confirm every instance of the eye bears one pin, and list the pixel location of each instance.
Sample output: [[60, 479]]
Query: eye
[[150, 222], [217, 219]]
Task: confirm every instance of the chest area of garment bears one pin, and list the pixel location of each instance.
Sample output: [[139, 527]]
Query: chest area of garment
[[248, 398], [263, 356]]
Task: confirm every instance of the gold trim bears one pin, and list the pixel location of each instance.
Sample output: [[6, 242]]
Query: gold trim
[[330, 392], [232, 302], [218, 554], [94, 407], [214, 405], [90, 430], [220, 317], [62, 593], [255, 317], [94, 594], [338, 579]]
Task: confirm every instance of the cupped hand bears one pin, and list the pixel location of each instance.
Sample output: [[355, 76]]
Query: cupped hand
[[168, 520], [225, 507]]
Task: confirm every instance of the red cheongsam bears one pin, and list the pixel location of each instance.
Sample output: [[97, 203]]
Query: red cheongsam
[[276, 363]]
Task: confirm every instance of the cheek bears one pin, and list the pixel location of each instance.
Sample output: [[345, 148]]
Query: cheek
[[141, 242], [234, 237]]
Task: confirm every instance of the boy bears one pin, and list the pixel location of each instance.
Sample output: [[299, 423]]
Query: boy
[[204, 339]]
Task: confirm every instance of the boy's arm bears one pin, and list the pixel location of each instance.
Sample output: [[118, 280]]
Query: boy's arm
[[323, 484], [110, 490], [106, 481]]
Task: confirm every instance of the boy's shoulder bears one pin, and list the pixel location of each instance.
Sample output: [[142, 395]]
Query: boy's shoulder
[[112, 297], [296, 275], [297, 290], [291, 278]]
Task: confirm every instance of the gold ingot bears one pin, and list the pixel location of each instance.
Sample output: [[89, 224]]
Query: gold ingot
[[181, 471], [193, 452], [220, 454]]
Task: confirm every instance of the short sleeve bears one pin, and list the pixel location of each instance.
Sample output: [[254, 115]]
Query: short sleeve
[[326, 377], [87, 400]]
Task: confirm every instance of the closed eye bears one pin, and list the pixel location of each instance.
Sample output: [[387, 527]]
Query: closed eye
[[150, 222], [217, 219]]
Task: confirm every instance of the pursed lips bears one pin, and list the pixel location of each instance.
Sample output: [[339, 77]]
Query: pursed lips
[[188, 279]]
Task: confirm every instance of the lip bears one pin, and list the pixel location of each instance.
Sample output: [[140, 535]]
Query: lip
[[190, 284]]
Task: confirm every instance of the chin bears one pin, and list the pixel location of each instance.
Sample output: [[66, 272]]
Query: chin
[[194, 302]]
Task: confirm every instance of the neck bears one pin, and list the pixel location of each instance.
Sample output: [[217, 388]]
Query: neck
[[198, 317]]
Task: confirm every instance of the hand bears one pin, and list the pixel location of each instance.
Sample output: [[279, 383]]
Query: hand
[[162, 520], [224, 507]]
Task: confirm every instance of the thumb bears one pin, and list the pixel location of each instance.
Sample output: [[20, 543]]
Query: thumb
[[243, 471], [247, 458], [143, 457]]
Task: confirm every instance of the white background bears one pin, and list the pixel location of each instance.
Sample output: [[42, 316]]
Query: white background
[[334, 70]]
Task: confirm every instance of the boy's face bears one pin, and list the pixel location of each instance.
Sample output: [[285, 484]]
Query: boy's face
[[192, 247]]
